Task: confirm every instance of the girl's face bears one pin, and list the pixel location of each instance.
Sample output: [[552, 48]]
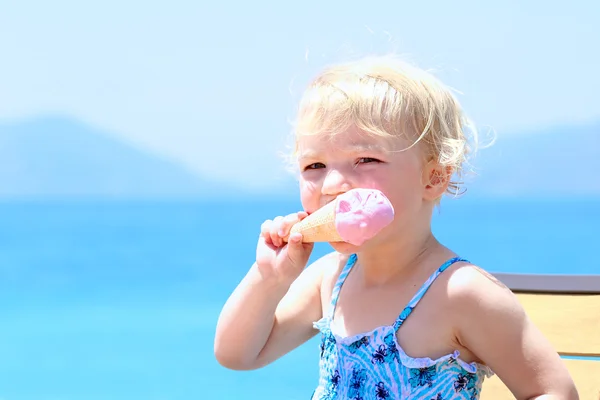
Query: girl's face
[[330, 166]]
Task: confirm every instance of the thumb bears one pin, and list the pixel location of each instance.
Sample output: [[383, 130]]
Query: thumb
[[298, 252]]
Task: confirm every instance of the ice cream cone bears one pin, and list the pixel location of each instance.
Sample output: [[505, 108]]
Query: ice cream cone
[[319, 226], [353, 217]]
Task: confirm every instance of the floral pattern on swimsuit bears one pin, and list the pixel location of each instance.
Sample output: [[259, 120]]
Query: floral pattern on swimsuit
[[373, 366]]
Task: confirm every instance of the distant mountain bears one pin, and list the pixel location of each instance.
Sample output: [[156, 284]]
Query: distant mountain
[[59, 158], [562, 161]]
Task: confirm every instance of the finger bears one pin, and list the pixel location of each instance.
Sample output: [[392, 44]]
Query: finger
[[301, 215], [287, 224], [274, 231], [265, 232], [292, 220], [265, 243], [298, 252]]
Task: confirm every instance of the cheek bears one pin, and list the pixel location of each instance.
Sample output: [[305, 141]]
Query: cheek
[[406, 200], [309, 195], [404, 196], [402, 206]]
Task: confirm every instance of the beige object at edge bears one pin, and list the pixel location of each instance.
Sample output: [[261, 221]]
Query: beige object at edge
[[319, 226]]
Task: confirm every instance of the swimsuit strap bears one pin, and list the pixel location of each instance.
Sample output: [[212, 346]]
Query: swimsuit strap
[[340, 281], [419, 295]]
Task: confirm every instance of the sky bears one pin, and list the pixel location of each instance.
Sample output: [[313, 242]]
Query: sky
[[213, 85]]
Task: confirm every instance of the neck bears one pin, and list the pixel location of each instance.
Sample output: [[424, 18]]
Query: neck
[[400, 257]]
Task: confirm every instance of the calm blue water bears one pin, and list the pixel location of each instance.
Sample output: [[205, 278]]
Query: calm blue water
[[119, 300]]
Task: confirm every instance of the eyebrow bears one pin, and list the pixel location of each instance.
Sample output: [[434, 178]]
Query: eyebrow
[[356, 148]]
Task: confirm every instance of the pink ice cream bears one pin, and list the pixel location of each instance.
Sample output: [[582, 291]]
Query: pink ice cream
[[361, 214]]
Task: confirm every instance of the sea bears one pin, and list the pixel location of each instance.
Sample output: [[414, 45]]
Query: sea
[[118, 300]]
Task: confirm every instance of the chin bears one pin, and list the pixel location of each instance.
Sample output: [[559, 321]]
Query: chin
[[344, 248], [348, 248]]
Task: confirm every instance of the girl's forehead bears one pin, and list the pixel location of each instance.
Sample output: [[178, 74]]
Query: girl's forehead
[[351, 140]]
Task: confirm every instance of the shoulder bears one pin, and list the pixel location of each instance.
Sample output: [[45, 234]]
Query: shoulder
[[329, 262], [477, 297], [470, 283], [320, 268], [491, 323], [308, 286], [328, 268]]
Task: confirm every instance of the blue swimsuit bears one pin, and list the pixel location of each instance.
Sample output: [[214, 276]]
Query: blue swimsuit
[[374, 366]]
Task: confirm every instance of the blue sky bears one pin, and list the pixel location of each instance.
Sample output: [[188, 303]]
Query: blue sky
[[213, 85]]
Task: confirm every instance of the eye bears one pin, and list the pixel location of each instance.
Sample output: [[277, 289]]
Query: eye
[[316, 165], [366, 160]]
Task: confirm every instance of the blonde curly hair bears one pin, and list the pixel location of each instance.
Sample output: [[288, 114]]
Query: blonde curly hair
[[386, 97]]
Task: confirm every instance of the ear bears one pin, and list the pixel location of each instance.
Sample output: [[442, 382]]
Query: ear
[[436, 179]]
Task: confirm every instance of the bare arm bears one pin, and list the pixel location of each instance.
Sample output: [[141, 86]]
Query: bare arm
[[295, 314], [263, 319], [494, 326]]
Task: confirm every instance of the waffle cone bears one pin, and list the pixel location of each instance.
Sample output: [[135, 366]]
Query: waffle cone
[[319, 226]]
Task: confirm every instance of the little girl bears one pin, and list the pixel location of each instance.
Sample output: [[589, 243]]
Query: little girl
[[401, 316]]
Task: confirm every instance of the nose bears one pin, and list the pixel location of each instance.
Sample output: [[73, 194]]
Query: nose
[[336, 182]]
